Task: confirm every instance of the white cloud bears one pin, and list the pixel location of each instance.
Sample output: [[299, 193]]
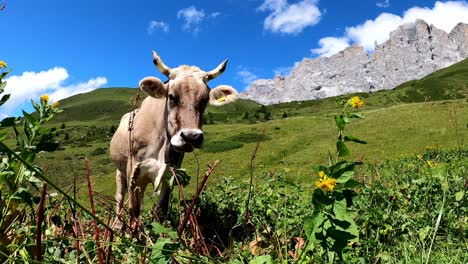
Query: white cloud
[[246, 76], [330, 46], [290, 18], [372, 31], [31, 85], [192, 18], [383, 4], [444, 15], [154, 25], [215, 14]]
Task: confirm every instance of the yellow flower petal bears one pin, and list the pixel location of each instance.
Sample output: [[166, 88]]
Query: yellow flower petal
[[45, 98], [356, 102], [55, 105], [326, 184], [3, 64], [322, 174]]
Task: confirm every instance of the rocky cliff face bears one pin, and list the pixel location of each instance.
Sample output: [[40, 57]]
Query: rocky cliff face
[[413, 51]]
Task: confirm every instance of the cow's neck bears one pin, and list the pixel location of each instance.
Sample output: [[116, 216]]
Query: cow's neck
[[172, 157]]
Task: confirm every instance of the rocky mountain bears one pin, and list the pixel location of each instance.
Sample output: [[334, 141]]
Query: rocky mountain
[[414, 50]]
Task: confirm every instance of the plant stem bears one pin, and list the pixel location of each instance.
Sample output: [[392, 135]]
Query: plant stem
[[40, 217], [91, 200]]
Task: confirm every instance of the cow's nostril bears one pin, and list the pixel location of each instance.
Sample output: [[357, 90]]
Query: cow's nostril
[[194, 138]]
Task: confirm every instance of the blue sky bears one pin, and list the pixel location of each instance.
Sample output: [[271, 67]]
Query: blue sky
[[65, 47]]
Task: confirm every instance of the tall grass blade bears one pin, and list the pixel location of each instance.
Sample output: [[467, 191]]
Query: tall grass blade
[[439, 218]]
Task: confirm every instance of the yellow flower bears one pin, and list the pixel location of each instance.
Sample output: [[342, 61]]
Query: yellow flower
[[45, 98], [431, 164], [356, 102], [326, 184], [322, 174], [3, 64], [419, 156], [55, 105]]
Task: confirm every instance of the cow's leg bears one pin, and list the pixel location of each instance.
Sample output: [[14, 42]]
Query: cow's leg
[[139, 191], [120, 179], [142, 175], [163, 202], [133, 173]]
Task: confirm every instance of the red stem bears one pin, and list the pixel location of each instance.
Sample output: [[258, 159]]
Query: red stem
[[188, 211], [93, 211], [40, 217]]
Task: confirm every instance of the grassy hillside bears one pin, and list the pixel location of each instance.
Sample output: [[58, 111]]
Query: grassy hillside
[[398, 122], [294, 144], [110, 103]]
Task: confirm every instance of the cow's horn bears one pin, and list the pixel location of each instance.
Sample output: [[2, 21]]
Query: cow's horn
[[216, 72], [160, 64]]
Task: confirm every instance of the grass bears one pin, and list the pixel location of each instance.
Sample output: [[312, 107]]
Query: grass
[[411, 208], [293, 144], [393, 127]]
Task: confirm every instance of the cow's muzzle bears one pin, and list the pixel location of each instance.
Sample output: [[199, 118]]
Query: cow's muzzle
[[187, 139]]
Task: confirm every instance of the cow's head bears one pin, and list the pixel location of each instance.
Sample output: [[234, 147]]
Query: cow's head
[[187, 94]]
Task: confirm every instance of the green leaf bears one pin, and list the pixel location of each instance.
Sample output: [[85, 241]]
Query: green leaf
[[36, 106], [3, 136], [160, 229], [459, 195], [43, 131], [319, 198], [163, 250], [4, 99], [264, 259], [31, 119], [24, 195], [2, 84], [342, 238], [9, 121], [309, 223], [354, 115], [354, 139], [351, 184], [423, 233], [35, 181], [345, 177], [342, 149], [339, 209], [340, 122]]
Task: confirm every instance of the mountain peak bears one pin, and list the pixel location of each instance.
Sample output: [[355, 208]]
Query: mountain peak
[[412, 51]]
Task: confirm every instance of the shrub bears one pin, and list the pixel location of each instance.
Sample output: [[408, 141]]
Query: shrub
[[98, 151], [221, 146]]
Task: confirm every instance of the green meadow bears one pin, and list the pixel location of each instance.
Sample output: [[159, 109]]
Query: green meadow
[[400, 198], [427, 112]]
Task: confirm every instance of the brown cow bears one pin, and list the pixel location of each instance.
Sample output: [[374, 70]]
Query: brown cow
[[168, 124]]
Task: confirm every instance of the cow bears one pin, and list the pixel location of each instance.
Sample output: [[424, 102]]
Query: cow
[[167, 125]]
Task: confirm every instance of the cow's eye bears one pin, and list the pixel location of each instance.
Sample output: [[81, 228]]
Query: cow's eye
[[172, 98]]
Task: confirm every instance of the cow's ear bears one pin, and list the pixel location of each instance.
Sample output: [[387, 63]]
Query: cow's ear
[[222, 94], [153, 87]]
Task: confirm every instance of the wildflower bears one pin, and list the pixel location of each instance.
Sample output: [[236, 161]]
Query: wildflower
[[45, 98], [431, 164], [325, 183], [419, 156], [356, 102], [322, 174], [55, 105], [3, 64]]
